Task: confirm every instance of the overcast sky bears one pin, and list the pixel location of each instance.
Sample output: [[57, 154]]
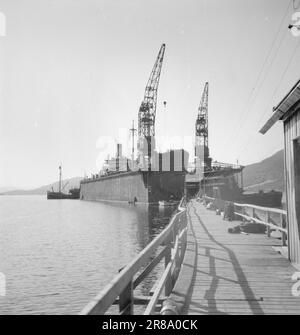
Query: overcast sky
[[73, 71]]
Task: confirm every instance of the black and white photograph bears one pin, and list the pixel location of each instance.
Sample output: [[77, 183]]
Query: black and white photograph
[[149, 160]]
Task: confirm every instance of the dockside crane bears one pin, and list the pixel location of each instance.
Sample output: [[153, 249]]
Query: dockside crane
[[147, 111], [201, 130]]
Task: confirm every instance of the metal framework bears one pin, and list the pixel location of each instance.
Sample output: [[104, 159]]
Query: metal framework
[[201, 129], [147, 111], [202, 119]]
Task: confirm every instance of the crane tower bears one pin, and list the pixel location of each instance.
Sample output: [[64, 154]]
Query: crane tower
[[201, 130], [147, 111]]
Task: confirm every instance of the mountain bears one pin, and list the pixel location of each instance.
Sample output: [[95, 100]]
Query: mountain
[[6, 189], [69, 183], [266, 175]]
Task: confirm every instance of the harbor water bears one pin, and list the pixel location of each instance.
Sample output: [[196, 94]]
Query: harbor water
[[58, 254]]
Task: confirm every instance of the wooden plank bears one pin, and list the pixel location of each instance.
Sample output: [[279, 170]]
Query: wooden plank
[[126, 300], [237, 273], [249, 218], [150, 267], [141, 300], [269, 209], [151, 306]]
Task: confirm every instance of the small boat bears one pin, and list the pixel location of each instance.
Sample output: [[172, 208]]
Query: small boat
[[169, 203], [57, 195], [73, 192]]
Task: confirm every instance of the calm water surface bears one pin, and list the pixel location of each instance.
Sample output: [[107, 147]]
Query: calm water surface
[[57, 254]]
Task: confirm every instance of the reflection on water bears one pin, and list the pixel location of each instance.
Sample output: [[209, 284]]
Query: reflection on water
[[58, 254]]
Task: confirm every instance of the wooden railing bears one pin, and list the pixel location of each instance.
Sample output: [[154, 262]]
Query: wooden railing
[[169, 245], [273, 218]]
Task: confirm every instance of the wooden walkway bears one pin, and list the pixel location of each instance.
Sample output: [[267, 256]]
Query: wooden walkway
[[236, 273]]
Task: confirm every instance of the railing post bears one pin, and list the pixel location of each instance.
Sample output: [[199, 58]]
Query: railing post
[[176, 229], [126, 300], [177, 263], [268, 227], [284, 236], [234, 210], [168, 285], [244, 213]]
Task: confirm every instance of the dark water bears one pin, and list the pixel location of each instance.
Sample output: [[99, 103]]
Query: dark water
[[57, 254]]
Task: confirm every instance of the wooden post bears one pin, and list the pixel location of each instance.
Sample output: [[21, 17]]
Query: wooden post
[[284, 236], [168, 285], [183, 245], [235, 209], [172, 240], [177, 264], [176, 229], [126, 300], [268, 227]]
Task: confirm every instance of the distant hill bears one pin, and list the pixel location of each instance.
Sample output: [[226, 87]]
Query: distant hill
[[266, 175], [70, 183], [7, 189]]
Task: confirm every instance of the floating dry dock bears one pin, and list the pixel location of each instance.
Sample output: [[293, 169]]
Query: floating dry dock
[[140, 186]]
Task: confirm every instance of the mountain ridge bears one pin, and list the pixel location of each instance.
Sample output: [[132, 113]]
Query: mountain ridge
[[265, 175], [68, 182]]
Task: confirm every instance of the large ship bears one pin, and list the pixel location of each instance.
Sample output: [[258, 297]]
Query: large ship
[[151, 176]]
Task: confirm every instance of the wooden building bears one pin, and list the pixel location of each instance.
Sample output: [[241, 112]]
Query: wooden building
[[288, 110]]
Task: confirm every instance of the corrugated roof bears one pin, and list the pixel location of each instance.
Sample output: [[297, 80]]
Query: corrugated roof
[[283, 107]]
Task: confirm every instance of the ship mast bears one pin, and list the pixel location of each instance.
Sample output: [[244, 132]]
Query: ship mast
[[133, 130], [147, 111], [59, 184]]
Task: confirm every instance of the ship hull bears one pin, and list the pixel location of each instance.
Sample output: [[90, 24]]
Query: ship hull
[[60, 195], [136, 187]]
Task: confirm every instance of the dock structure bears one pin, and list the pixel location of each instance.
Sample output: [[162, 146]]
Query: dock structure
[[208, 269], [224, 273]]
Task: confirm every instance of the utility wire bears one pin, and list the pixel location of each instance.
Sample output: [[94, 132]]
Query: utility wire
[[255, 90], [281, 79], [274, 93], [250, 106]]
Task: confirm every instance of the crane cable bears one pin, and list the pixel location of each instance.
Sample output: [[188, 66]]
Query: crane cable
[[274, 92], [282, 77], [255, 90]]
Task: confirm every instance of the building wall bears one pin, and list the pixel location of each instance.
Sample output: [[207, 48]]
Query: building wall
[[291, 132]]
